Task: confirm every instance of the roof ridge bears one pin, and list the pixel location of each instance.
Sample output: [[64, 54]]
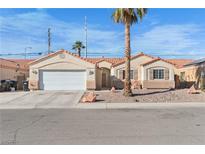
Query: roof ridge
[[57, 52], [157, 59]]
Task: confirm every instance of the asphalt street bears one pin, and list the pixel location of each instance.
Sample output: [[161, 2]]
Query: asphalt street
[[97, 126]]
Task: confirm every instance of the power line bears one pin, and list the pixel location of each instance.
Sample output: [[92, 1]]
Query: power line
[[21, 54]]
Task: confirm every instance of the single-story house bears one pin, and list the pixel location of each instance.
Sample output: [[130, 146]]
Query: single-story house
[[194, 72], [14, 69], [64, 70]]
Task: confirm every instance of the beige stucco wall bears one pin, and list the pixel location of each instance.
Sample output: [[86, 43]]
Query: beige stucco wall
[[103, 67], [104, 64], [98, 78], [190, 73], [11, 74], [99, 72], [63, 61], [159, 83], [163, 84], [134, 64]]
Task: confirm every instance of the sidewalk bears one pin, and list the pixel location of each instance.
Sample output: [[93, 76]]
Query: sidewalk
[[137, 105]]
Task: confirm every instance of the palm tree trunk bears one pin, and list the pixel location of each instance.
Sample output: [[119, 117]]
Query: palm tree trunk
[[127, 83], [79, 54]]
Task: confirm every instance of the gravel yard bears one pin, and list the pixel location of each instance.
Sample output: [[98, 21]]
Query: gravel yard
[[150, 96]]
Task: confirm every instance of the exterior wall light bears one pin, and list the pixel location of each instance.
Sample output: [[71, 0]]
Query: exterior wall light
[[34, 72]]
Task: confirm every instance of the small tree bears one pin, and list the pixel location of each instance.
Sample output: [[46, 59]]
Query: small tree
[[78, 45]]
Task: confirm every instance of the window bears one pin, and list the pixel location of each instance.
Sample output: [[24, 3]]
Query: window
[[123, 74], [203, 74], [131, 74], [182, 76], [158, 74]]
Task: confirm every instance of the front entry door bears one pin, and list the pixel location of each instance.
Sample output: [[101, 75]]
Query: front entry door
[[103, 80]]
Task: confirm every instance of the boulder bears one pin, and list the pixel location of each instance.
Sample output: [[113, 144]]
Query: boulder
[[89, 97], [113, 90], [135, 84], [193, 90]]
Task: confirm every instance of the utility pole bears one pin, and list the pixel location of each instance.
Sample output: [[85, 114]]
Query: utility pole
[[49, 40], [86, 37]]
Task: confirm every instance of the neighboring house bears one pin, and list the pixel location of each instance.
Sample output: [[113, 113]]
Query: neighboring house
[[194, 72], [63, 70], [14, 69]]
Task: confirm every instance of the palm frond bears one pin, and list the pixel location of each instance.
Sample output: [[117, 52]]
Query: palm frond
[[128, 15]]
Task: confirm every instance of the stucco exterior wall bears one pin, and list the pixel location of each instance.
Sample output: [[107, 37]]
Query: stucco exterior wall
[[134, 64], [104, 64], [62, 61], [98, 78], [193, 73], [158, 83], [190, 73], [11, 74], [152, 84]]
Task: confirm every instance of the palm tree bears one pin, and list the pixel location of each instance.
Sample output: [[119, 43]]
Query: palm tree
[[78, 45], [128, 16]]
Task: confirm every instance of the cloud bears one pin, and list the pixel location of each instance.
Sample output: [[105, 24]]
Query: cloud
[[170, 39], [18, 31], [30, 29]]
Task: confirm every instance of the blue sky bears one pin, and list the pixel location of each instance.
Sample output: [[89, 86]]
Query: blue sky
[[168, 33]]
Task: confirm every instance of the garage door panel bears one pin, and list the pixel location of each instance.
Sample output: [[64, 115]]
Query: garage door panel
[[63, 80]]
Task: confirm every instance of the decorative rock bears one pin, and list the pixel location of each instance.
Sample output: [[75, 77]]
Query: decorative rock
[[90, 97], [113, 90], [135, 84], [193, 90]]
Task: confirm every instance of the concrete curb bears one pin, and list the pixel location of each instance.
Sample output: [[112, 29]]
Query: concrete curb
[[138, 105]]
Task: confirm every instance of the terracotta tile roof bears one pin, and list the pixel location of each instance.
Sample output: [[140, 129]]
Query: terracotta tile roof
[[141, 54], [58, 52], [180, 62], [135, 56], [113, 61], [14, 63], [157, 59]]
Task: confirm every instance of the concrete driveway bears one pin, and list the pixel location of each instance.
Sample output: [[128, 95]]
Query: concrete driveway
[[39, 99]]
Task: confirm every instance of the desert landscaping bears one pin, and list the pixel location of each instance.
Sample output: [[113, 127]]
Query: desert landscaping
[[150, 96]]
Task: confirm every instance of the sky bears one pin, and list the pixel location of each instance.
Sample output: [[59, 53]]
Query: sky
[[166, 33]]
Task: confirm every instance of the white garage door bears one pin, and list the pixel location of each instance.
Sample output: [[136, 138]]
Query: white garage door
[[62, 80]]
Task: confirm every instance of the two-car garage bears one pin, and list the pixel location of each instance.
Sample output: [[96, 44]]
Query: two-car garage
[[62, 70], [62, 80]]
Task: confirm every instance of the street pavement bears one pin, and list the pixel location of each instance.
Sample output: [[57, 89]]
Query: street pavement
[[184, 125]]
